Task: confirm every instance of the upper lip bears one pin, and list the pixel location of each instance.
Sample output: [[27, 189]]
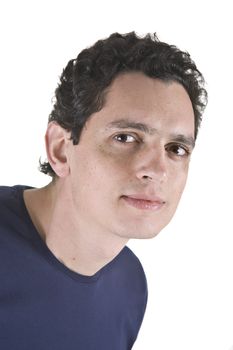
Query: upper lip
[[145, 197]]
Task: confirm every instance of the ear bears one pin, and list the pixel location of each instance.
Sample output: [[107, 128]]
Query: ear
[[56, 139]]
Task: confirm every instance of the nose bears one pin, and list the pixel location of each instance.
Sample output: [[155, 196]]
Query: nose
[[152, 165]]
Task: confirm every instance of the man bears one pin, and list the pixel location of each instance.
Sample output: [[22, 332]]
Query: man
[[118, 143]]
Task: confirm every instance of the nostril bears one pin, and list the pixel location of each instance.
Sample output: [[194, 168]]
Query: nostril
[[147, 177], [153, 177]]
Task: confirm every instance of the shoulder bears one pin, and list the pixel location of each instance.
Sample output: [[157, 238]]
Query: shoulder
[[6, 198], [134, 265], [132, 285], [137, 278], [11, 207], [10, 192], [132, 259], [5, 191], [10, 197], [127, 270]]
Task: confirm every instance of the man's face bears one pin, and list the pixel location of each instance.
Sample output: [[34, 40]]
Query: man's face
[[129, 169]]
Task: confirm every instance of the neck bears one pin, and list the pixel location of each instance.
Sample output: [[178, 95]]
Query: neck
[[81, 246]]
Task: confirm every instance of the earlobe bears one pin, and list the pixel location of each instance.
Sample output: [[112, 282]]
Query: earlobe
[[56, 142]]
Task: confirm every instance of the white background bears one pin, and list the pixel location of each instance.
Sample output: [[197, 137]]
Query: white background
[[189, 266]]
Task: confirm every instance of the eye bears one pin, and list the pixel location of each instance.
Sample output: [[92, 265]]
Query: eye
[[178, 150], [125, 138]]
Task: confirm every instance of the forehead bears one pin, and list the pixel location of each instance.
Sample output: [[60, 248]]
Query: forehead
[[138, 98], [144, 92]]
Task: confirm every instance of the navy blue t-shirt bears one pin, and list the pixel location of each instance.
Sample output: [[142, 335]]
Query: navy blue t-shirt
[[46, 306]]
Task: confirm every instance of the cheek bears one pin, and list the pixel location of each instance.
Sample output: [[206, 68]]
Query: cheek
[[178, 181], [97, 172], [114, 162]]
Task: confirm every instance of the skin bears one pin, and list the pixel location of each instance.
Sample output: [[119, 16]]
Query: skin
[[123, 180]]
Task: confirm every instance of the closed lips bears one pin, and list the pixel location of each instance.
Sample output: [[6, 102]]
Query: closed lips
[[141, 202]]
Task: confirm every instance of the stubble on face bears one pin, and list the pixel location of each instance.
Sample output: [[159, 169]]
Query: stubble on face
[[133, 148]]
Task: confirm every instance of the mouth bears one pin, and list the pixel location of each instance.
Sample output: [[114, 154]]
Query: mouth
[[144, 203]]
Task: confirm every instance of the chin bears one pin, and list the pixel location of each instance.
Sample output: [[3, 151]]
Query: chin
[[139, 233], [145, 235], [142, 230]]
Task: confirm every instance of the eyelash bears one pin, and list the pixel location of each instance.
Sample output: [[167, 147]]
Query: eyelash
[[178, 146], [135, 139], [168, 147]]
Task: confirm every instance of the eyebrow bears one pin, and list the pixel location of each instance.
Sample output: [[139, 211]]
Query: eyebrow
[[126, 124], [187, 140]]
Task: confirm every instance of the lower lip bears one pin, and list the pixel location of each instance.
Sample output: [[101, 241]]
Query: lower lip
[[143, 204]]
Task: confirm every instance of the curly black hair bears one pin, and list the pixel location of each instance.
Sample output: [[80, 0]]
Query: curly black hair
[[84, 81]]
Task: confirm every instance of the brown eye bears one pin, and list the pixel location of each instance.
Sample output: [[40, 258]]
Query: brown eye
[[124, 138], [178, 150]]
